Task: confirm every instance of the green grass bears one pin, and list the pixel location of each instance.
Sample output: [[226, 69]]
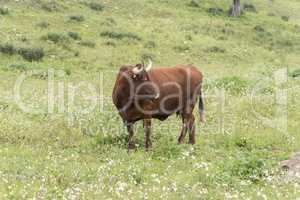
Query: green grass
[[67, 154]]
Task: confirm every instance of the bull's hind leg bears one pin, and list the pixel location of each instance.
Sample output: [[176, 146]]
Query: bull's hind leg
[[131, 144], [183, 129], [191, 128]]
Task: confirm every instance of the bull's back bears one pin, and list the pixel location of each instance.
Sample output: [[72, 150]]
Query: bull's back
[[180, 75], [177, 85]]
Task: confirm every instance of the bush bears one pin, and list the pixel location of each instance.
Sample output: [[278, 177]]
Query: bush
[[76, 53], [166, 148], [249, 7], [96, 6], [77, 18], [24, 39], [150, 45], [43, 24], [18, 67], [68, 71], [285, 18], [295, 73], [4, 11], [120, 36], [215, 11], [247, 167], [215, 49], [110, 43], [262, 35], [189, 37], [243, 143], [56, 38], [109, 22], [87, 43], [147, 56], [182, 48], [259, 28], [8, 49], [194, 4], [120, 140], [271, 14], [74, 35], [50, 6], [31, 54], [232, 84]]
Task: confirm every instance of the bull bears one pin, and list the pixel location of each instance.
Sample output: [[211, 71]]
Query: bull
[[143, 93]]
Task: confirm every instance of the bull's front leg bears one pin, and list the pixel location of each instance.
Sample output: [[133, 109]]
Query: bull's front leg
[[131, 144], [147, 129]]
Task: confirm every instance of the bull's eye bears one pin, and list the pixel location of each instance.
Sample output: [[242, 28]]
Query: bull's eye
[[134, 75]]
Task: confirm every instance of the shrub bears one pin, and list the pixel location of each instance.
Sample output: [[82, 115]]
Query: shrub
[[284, 42], [243, 143], [31, 54], [182, 48], [150, 45], [233, 84], [56, 38], [194, 4], [4, 11], [74, 35], [215, 11], [76, 53], [96, 6], [285, 18], [189, 37], [259, 28], [262, 35], [295, 73], [120, 36], [166, 148], [109, 43], [87, 43], [109, 22], [249, 7], [68, 71], [77, 18], [50, 6], [147, 56], [215, 49], [247, 167], [8, 49], [18, 67], [24, 39], [43, 24], [120, 140], [271, 14]]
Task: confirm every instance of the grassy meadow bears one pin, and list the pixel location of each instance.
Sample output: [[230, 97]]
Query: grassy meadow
[[75, 146]]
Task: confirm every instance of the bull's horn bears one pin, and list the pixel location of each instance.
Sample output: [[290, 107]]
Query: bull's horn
[[137, 70], [149, 66]]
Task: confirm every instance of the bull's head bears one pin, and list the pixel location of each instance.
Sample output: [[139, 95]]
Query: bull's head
[[134, 83]]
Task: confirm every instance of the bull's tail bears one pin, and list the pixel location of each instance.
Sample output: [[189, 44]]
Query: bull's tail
[[201, 107]]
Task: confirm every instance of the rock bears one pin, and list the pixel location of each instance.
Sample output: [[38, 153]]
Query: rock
[[292, 166]]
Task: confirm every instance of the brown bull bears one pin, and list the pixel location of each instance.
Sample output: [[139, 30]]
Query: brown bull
[[142, 93]]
